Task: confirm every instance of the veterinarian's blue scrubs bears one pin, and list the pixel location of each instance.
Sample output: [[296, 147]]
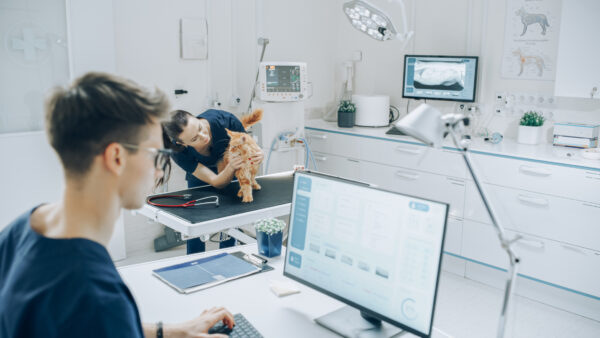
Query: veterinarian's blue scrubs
[[189, 158]]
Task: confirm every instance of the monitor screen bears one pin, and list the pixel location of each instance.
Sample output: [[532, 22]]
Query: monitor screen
[[283, 78], [452, 78], [375, 250]]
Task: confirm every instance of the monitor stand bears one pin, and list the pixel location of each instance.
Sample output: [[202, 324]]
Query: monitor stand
[[349, 322]]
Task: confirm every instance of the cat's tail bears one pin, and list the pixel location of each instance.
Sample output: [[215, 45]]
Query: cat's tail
[[252, 118]]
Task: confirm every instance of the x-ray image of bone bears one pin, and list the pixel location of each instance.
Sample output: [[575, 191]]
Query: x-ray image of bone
[[440, 75]]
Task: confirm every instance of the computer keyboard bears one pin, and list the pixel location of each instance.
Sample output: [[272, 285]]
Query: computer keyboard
[[242, 328]]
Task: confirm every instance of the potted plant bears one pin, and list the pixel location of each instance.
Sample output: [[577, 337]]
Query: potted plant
[[530, 127], [346, 114], [269, 236]]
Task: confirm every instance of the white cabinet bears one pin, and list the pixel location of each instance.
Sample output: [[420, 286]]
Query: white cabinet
[[577, 71], [556, 208], [337, 165], [558, 263], [440, 188]]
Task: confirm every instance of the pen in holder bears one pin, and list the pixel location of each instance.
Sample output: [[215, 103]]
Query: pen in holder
[[269, 236]]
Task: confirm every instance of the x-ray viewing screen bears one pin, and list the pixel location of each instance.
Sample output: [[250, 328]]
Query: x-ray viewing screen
[[451, 78], [284, 79]]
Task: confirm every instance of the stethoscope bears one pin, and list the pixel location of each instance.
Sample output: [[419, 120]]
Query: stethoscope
[[191, 203]]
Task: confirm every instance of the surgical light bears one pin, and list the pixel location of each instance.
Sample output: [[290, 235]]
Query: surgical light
[[429, 126], [374, 22]]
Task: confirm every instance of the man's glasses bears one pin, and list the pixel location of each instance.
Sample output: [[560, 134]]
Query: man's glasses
[[162, 160]]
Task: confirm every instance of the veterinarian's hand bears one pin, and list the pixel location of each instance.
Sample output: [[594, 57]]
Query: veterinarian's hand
[[257, 158], [235, 163]]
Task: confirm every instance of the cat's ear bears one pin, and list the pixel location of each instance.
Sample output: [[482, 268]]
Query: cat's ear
[[229, 132]]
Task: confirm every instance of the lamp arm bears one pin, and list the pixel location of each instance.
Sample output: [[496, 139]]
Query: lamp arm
[[505, 242], [405, 35]]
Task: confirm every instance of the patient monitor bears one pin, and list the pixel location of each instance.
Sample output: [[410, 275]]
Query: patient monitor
[[282, 81]]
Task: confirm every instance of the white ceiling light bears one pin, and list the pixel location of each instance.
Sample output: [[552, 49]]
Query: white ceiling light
[[374, 22]]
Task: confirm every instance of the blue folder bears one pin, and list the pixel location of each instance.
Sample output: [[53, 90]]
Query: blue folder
[[205, 272]]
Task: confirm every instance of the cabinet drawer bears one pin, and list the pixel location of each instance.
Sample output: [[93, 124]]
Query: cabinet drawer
[[337, 166], [414, 156], [417, 183], [574, 183], [332, 143], [550, 261], [547, 216], [453, 238]]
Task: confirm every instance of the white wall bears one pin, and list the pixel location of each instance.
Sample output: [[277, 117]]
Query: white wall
[[459, 27]]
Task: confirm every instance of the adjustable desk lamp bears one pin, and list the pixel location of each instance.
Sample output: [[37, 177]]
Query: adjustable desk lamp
[[427, 125]]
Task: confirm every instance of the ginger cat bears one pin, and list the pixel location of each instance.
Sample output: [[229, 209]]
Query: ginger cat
[[242, 144]]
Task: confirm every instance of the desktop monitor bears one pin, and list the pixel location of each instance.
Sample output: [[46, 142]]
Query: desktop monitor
[[450, 78], [377, 251]]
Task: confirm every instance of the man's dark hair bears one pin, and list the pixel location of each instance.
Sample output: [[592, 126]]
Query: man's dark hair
[[95, 111], [172, 128]]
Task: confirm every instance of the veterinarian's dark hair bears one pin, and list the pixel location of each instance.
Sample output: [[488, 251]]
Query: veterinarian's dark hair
[[173, 127], [96, 110]]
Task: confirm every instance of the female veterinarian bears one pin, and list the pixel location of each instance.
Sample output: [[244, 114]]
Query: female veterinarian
[[199, 143]]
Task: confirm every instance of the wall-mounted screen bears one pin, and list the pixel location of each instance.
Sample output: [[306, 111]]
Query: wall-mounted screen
[[451, 78]]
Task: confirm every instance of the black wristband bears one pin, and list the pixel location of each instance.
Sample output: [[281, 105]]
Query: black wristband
[[159, 330]]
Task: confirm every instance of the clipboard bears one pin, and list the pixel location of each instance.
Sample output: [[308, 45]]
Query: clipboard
[[207, 272]]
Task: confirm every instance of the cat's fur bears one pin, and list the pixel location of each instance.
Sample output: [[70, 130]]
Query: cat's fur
[[531, 18], [242, 144]]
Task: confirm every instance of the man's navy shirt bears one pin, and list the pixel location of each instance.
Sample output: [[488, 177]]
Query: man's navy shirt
[[189, 158], [61, 287]]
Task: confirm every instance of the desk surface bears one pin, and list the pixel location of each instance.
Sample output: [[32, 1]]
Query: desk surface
[[464, 308]]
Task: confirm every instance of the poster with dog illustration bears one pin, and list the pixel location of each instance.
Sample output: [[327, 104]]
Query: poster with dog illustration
[[531, 39]]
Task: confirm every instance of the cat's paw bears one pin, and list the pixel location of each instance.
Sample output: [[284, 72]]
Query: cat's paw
[[247, 199], [256, 186], [240, 193]]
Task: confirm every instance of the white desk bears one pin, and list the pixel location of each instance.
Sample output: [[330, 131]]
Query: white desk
[[464, 308]]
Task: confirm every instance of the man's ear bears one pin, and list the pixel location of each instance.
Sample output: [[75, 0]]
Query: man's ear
[[114, 158]]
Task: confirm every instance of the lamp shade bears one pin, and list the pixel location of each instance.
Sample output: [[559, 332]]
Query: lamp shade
[[423, 123], [370, 20]]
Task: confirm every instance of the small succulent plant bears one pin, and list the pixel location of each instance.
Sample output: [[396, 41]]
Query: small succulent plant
[[532, 119], [347, 107]]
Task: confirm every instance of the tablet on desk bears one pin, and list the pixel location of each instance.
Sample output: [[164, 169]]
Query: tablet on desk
[[205, 272]]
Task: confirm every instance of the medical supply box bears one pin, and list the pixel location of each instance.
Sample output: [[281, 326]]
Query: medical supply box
[[577, 135]]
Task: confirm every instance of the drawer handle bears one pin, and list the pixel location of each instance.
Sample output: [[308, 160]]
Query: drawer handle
[[411, 151], [320, 158], [532, 243], [542, 202], [408, 176], [534, 171], [574, 249], [318, 136]]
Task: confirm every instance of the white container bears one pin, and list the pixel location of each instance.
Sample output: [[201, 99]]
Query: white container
[[372, 110], [529, 135]]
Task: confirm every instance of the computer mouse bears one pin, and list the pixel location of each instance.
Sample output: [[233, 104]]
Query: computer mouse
[[220, 328]]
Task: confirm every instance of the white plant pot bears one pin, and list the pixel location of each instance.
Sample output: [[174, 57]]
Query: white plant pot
[[529, 135]]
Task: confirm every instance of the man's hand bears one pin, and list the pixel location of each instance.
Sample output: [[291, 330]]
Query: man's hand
[[198, 327]]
